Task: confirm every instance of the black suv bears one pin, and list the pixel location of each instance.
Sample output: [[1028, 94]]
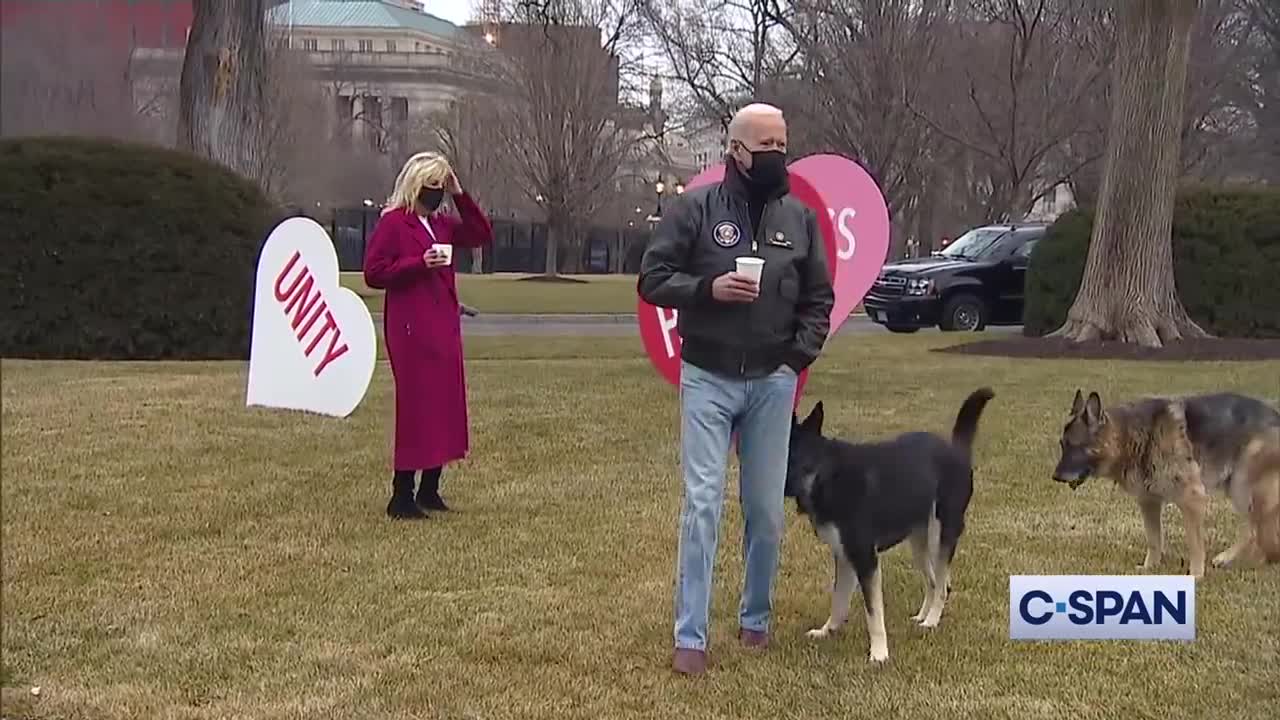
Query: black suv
[[974, 282]]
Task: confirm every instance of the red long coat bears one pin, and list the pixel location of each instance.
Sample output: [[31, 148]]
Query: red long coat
[[422, 330]]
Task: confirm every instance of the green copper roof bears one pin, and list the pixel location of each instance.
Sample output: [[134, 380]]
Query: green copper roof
[[358, 14]]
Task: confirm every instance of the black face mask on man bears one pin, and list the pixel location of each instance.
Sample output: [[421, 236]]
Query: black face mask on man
[[768, 168], [430, 198]]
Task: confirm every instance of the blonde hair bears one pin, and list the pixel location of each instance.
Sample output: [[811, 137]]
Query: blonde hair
[[423, 170]]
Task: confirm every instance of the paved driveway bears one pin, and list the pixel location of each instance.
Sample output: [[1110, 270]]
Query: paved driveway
[[615, 325]]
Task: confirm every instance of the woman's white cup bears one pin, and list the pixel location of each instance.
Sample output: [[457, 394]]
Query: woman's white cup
[[751, 267], [445, 250]]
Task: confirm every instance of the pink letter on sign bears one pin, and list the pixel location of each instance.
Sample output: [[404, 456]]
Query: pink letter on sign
[[667, 320]]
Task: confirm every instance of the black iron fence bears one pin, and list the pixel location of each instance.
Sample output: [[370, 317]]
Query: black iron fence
[[350, 229], [518, 247]]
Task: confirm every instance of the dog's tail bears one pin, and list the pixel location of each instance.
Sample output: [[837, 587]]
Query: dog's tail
[[1264, 506], [966, 426]]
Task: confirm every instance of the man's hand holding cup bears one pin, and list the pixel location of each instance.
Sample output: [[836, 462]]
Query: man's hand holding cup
[[741, 285]]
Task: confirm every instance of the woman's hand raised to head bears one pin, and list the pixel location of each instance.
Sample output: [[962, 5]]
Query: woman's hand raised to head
[[452, 186]]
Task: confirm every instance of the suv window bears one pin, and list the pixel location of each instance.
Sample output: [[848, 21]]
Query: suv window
[[975, 244], [1024, 252]]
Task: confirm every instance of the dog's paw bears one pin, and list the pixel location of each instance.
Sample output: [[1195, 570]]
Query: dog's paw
[[918, 617], [1222, 560], [819, 633], [878, 656], [930, 622]]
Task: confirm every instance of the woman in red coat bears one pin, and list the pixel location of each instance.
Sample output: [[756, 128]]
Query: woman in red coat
[[410, 256]]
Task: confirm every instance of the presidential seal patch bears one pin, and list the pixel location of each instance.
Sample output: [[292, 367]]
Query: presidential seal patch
[[727, 234]]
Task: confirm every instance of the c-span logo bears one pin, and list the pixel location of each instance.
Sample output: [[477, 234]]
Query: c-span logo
[[1102, 607]]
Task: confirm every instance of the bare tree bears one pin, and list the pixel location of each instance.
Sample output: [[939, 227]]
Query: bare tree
[[1260, 98], [1029, 85], [1218, 140], [1128, 291], [842, 70], [305, 160], [225, 80], [1217, 136], [721, 53], [868, 61], [461, 132], [555, 116]]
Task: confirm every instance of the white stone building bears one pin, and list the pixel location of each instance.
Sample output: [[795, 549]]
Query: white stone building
[[385, 63]]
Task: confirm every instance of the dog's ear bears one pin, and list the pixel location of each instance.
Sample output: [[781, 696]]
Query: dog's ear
[[813, 423], [1077, 405], [1093, 409]]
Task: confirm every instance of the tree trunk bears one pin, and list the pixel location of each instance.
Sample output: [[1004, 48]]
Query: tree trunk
[[554, 228], [225, 75], [1128, 291], [571, 259], [564, 250]]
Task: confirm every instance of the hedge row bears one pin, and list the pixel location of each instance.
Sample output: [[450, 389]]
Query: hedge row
[[125, 251], [1226, 257]]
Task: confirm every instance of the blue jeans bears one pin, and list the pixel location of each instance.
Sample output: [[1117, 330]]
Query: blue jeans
[[712, 407]]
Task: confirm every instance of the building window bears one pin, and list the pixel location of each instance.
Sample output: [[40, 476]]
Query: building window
[[366, 46], [338, 44], [391, 46], [310, 44]]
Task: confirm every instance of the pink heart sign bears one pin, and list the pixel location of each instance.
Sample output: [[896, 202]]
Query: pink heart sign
[[860, 218]]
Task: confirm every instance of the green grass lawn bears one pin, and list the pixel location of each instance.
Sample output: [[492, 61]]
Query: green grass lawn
[[169, 553], [509, 293]]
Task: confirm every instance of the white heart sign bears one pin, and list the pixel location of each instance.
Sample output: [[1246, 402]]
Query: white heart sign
[[313, 345]]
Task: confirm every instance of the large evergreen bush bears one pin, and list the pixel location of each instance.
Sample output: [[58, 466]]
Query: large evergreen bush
[[1226, 262], [116, 250]]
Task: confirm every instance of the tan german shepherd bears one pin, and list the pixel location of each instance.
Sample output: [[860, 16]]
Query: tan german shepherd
[[1179, 450]]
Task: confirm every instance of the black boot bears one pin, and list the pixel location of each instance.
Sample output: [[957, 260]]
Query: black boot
[[402, 506], [429, 491]]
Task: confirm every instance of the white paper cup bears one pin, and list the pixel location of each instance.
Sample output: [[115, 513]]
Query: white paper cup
[[446, 250], [751, 267]]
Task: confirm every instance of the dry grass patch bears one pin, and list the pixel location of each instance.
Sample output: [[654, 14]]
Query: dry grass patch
[[170, 554]]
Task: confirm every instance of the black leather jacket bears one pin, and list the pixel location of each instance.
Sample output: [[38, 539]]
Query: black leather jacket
[[698, 239]]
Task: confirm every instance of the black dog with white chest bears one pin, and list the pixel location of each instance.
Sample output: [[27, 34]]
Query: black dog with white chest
[[865, 498]]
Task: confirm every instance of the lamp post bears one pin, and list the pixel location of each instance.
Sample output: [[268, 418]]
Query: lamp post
[[659, 187]]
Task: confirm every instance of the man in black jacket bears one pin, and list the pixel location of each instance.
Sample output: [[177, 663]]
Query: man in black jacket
[[743, 344]]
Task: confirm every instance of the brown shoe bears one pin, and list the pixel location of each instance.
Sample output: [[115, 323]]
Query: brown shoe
[[754, 638], [689, 661]]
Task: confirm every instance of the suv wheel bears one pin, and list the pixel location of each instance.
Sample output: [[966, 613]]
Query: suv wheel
[[902, 328], [964, 312]]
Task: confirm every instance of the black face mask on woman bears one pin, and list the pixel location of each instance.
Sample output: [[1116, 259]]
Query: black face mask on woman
[[430, 198]]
